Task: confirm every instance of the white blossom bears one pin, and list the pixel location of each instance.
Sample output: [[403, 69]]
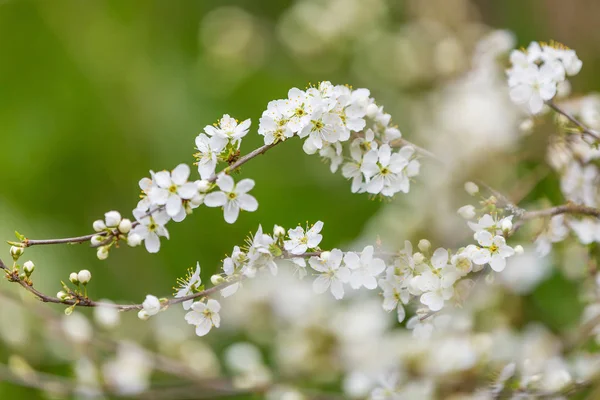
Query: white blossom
[[187, 286], [232, 197], [204, 316], [172, 188], [365, 268], [332, 274], [301, 241]]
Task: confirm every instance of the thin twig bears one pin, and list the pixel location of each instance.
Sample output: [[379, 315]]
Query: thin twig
[[575, 121]]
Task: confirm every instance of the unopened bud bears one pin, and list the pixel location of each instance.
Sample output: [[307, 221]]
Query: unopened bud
[[467, 212], [28, 267], [519, 249], [424, 245], [16, 252], [526, 126], [203, 185], [278, 231], [134, 239], [74, 278], [506, 225], [113, 218], [97, 239], [143, 315], [372, 110], [418, 258], [99, 225], [62, 295], [125, 225], [84, 276], [217, 279], [471, 188], [102, 253]]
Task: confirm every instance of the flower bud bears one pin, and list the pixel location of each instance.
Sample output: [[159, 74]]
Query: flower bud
[[102, 253], [62, 295], [471, 188], [134, 239], [97, 239], [424, 245], [113, 218], [278, 231], [28, 267], [217, 279], [74, 278], [506, 225], [22, 276], [125, 225], [84, 276], [418, 258], [16, 252], [467, 212], [519, 249], [372, 110], [143, 315], [99, 225], [526, 126], [325, 255], [203, 185]]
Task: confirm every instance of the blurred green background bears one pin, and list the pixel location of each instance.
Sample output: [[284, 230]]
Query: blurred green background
[[96, 93]]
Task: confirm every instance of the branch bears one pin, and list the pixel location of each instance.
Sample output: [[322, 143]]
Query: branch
[[569, 208], [86, 238], [575, 121]]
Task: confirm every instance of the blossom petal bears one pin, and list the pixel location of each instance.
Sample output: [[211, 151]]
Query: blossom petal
[[215, 199]]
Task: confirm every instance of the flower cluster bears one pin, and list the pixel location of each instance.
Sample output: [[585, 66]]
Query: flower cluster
[[329, 117], [535, 73]]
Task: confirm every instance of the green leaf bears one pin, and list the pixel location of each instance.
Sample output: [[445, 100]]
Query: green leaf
[[19, 236]]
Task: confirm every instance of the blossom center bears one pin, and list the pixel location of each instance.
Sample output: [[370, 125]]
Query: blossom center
[[173, 189], [231, 195]]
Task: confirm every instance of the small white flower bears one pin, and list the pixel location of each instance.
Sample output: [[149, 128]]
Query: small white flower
[[273, 123], [149, 229], [151, 305], [435, 291], [232, 197], [228, 129], [333, 275], [204, 316], [172, 188], [208, 152], [365, 268], [494, 251], [259, 254], [389, 173], [534, 86], [187, 286], [300, 241]]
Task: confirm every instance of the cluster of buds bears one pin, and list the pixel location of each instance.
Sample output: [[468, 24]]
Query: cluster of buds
[[110, 230]]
